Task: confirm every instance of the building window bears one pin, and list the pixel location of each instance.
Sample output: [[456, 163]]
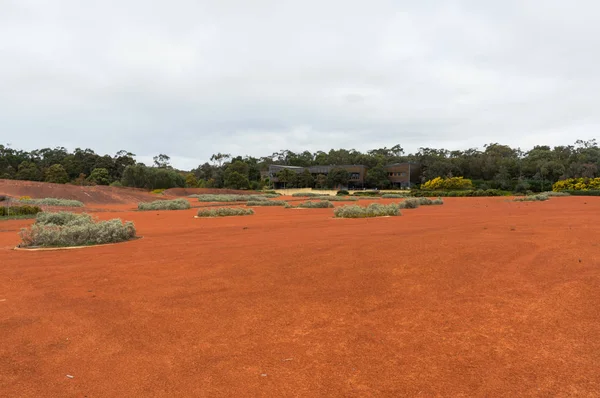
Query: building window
[[403, 174]]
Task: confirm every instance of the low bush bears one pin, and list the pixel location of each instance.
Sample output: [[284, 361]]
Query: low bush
[[158, 191], [225, 212], [323, 204], [411, 203], [24, 210], [373, 210], [175, 204], [556, 194], [395, 195], [64, 230], [25, 198], [3, 198], [266, 203], [337, 198], [117, 184], [270, 192], [232, 198], [307, 194], [449, 183], [577, 184], [54, 202], [366, 193], [63, 218], [532, 198], [343, 192], [429, 202]]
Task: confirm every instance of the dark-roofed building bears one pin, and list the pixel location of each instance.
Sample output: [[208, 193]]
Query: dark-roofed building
[[401, 175]]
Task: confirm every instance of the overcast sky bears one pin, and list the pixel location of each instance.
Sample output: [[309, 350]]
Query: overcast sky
[[190, 78]]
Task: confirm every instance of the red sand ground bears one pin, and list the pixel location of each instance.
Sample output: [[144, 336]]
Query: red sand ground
[[479, 297]]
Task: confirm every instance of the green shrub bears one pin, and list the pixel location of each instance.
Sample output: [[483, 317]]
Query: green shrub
[[3, 198], [24, 210], [373, 210], [63, 218], [175, 204], [232, 198], [367, 193], [266, 203], [225, 212], [270, 192], [337, 198], [556, 194], [455, 194], [308, 194], [411, 203], [54, 202], [323, 204], [394, 195], [343, 192], [117, 184], [158, 191], [76, 230], [532, 198]]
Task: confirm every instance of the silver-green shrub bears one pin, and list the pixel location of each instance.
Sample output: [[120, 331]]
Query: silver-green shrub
[[553, 194], [411, 203], [533, 198], [232, 198], [372, 210], [337, 198], [62, 230], [175, 204], [54, 202], [225, 212], [395, 195], [308, 194], [266, 203], [323, 204]]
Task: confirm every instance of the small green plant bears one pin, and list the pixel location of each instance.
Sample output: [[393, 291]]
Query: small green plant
[[57, 202], [307, 194], [395, 195], [175, 204], [556, 194], [337, 198], [532, 198], [342, 192], [323, 204], [429, 202], [232, 198], [69, 229], [373, 210], [224, 212], [158, 191], [411, 203], [266, 203], [22, 211]]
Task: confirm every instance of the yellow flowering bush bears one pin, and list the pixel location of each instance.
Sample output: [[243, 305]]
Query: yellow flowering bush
[[449, 183], [577, 184]]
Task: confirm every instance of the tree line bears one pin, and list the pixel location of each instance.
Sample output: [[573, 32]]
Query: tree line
[[494, 166]]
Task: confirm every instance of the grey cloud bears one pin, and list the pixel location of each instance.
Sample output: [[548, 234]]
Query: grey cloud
[[191, 78]]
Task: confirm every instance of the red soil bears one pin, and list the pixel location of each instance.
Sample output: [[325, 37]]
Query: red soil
[[95, 194], [479, 297], [198, 191]]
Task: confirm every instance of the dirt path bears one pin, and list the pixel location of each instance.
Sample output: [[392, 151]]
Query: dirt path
[[479, 297]]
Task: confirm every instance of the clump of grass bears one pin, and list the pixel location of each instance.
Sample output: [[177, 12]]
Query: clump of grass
[[53, 202], [63, 218], [429, 202], [395, 195], [232, 198], [323, 204], [532, 198], [411, 203], [24, 211], [337, 198], [175, 204], [308, 194], [556, 194], [69, 229], [266, 203], [225, 212], [373, 210]]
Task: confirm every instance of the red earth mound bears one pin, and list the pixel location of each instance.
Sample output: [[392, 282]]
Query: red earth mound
[[85, 194], [200, 191], [480, 297]]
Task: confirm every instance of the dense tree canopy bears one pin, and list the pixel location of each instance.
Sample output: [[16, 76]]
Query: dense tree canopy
[[493, 166]]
